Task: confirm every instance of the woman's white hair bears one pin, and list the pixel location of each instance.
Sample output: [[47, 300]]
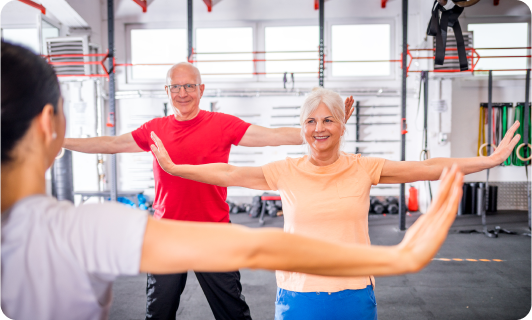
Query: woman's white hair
[[331, 99]]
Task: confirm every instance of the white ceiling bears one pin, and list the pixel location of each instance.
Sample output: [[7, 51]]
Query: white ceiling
[[64, 13], [18, 13]]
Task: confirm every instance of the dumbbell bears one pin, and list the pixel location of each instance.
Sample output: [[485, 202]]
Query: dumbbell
[[271, 208], [254, 212], [371, 204], [393, 209], [231, 206], [237, 208], [378, 207], [392, 204], [256, 206]]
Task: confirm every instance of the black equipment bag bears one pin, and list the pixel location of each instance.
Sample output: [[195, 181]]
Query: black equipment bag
[[438, 27]]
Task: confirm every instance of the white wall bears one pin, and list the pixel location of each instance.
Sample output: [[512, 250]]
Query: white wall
[[92, 12], [462, 96], [79, 104], [259, 110], [259, 14], [167, 13], [16, 14]]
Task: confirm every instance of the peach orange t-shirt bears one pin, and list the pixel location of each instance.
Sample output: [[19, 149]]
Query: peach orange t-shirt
[[329, 202]]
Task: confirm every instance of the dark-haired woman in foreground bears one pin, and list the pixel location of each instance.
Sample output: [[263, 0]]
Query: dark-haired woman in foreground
[[59, 261]]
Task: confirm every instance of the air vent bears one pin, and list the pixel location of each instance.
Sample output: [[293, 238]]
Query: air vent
[[450, 63], [69, 46]]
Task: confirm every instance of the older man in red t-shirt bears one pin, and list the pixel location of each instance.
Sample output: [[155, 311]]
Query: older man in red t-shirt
[[192, 136]]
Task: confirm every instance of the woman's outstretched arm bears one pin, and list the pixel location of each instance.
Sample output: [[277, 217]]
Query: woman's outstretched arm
[[218, 174], [175, 246], [431, 169]]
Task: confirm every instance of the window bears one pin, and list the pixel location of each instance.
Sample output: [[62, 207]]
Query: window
[[500, 35], [48, 31], [156, 46], [28, 38], [278, 41], [360, 42], [219, 45]]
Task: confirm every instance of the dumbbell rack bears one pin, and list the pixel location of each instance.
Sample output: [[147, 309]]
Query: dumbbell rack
[[358, 116], [358, 124], [390, 205]]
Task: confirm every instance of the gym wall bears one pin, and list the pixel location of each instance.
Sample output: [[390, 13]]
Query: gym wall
[[462, 95]]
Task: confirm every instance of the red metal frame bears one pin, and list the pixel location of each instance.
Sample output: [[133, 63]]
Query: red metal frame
[[316, 4], [474, 56], [143, 4], [74, 63], [34, 5], [253, 52], [495, 2], [383, 3], [189, 59], [208, 3]]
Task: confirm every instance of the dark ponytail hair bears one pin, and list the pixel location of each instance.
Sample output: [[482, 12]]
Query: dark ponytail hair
[[28, 84]]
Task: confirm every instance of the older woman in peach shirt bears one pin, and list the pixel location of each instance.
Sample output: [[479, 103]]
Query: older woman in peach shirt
[[325, 194]]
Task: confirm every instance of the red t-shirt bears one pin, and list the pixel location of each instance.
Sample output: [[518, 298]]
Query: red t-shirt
[[205, 139]]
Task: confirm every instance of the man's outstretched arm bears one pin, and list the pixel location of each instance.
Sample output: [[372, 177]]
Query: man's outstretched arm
[[106, 144], [257, 136]]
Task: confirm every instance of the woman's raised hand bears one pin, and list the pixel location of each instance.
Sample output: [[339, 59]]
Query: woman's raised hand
[[161, 154], [425, 237], [349, 107], [507, 145]]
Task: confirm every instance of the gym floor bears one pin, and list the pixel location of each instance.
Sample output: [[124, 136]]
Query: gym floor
[[443, 290]]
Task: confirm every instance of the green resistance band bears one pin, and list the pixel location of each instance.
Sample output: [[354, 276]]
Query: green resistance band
[[520, 116], [504, 121]]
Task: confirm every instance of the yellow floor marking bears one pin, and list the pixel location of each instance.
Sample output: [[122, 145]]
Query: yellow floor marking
[[475, 260]]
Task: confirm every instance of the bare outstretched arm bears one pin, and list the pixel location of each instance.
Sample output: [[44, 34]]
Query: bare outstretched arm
[[218, 174], [410, 171], [175, 246], [257, 136], [105, 144]]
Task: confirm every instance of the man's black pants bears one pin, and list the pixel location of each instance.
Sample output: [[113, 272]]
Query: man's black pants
[[222, 289]]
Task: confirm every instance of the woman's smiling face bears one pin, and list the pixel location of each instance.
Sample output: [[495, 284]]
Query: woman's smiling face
[[322, 131]]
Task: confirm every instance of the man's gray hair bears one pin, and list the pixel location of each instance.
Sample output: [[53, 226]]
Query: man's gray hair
[[331, 99]]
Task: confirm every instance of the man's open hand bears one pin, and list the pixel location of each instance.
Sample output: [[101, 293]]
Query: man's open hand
[[161, 154]]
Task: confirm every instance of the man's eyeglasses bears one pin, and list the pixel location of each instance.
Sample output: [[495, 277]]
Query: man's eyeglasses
[[175, 88]]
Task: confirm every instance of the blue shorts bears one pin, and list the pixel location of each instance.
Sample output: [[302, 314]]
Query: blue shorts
[[347, 304]]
